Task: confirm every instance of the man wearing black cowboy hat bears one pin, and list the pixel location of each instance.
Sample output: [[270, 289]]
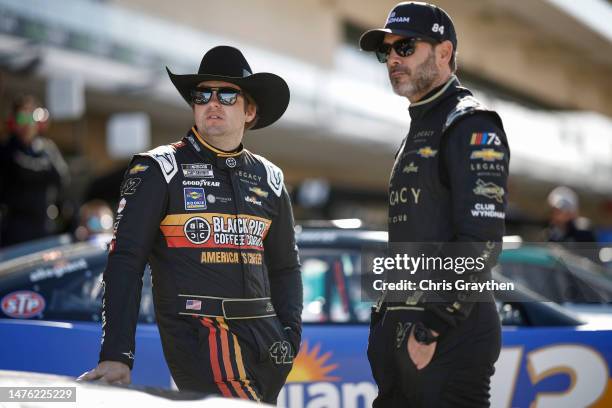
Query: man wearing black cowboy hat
[[215, 223], [447, 189]]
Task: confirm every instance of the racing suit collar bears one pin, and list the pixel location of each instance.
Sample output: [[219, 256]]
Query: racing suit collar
[[212, 150], [434, 97]]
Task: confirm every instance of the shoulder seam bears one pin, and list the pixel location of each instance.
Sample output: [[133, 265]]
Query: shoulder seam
[[274, 174], [165, 158]]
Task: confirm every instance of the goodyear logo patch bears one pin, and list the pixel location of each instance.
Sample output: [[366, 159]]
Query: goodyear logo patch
[[195, 198]]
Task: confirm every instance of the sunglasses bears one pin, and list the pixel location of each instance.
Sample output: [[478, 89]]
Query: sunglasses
[[226, 96], [403, 47], [23, 118]]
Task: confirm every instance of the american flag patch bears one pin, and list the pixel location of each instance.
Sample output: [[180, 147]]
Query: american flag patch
[[193, 304]]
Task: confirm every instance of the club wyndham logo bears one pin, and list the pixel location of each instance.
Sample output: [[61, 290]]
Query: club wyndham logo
[[393, 19], [489, 190], [197, 230]]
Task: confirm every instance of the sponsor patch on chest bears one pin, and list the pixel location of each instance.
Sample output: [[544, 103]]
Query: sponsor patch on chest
[[195, 198], [197, 170]]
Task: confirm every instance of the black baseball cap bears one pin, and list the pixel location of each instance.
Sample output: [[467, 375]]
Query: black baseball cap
[[413, 19]]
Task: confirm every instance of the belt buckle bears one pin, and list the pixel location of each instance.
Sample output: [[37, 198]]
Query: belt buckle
[[273, 313], [225, 316], [223, 308]]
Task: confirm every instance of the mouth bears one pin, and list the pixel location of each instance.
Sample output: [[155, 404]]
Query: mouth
[[214, 117], [397, 73]]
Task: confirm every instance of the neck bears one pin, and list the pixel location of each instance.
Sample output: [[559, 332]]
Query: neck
[[438, 82], [226, 142]]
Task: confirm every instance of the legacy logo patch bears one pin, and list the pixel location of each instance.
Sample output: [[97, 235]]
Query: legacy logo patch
[[492, 167], [488, 155], [489, 190], [195, 198], [197, 170]]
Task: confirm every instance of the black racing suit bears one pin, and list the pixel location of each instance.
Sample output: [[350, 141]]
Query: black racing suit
[[448, 186], [31, 179], [217, 230]]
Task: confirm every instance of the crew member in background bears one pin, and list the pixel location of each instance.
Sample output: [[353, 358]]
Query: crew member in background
[[565, 223], [32, 175]]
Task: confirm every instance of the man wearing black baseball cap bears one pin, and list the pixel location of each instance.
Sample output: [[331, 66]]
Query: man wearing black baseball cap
[[448, 186]]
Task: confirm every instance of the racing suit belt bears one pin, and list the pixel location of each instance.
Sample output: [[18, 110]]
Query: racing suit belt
[[228, 308]]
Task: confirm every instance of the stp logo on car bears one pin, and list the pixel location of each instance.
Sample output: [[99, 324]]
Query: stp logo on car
[[23, 304]]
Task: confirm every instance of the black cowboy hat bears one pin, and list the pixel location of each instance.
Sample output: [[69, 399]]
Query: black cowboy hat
[[224, 63]]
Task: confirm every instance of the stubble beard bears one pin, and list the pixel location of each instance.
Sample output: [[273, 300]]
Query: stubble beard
[[418, 82]]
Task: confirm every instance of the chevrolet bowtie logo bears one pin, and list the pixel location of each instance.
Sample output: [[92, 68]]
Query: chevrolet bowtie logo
[[426, 152], [259, 191], [138, 168], [487, 155]]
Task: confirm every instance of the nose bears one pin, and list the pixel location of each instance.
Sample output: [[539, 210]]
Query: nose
[[393, 59], [214, 99]]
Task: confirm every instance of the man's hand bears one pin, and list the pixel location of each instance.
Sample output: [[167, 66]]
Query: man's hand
[[420, 354], [112, 372]]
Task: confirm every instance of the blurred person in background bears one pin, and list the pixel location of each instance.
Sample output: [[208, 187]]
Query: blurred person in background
[[565, 223], [216, 225], [95, 220], [32, 175], [448, 186]]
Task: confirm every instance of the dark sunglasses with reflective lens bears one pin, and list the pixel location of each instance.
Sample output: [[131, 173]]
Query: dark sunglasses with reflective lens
[[403, 47], [226, 96]]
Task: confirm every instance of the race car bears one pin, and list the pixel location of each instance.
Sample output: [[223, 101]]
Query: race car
[[50, 322], [563, 276]]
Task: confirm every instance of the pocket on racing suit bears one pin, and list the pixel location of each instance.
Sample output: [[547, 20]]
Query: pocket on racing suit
[[272, 342]]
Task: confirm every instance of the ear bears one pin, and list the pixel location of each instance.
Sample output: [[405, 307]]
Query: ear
[[251, 112], [444, 52]]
